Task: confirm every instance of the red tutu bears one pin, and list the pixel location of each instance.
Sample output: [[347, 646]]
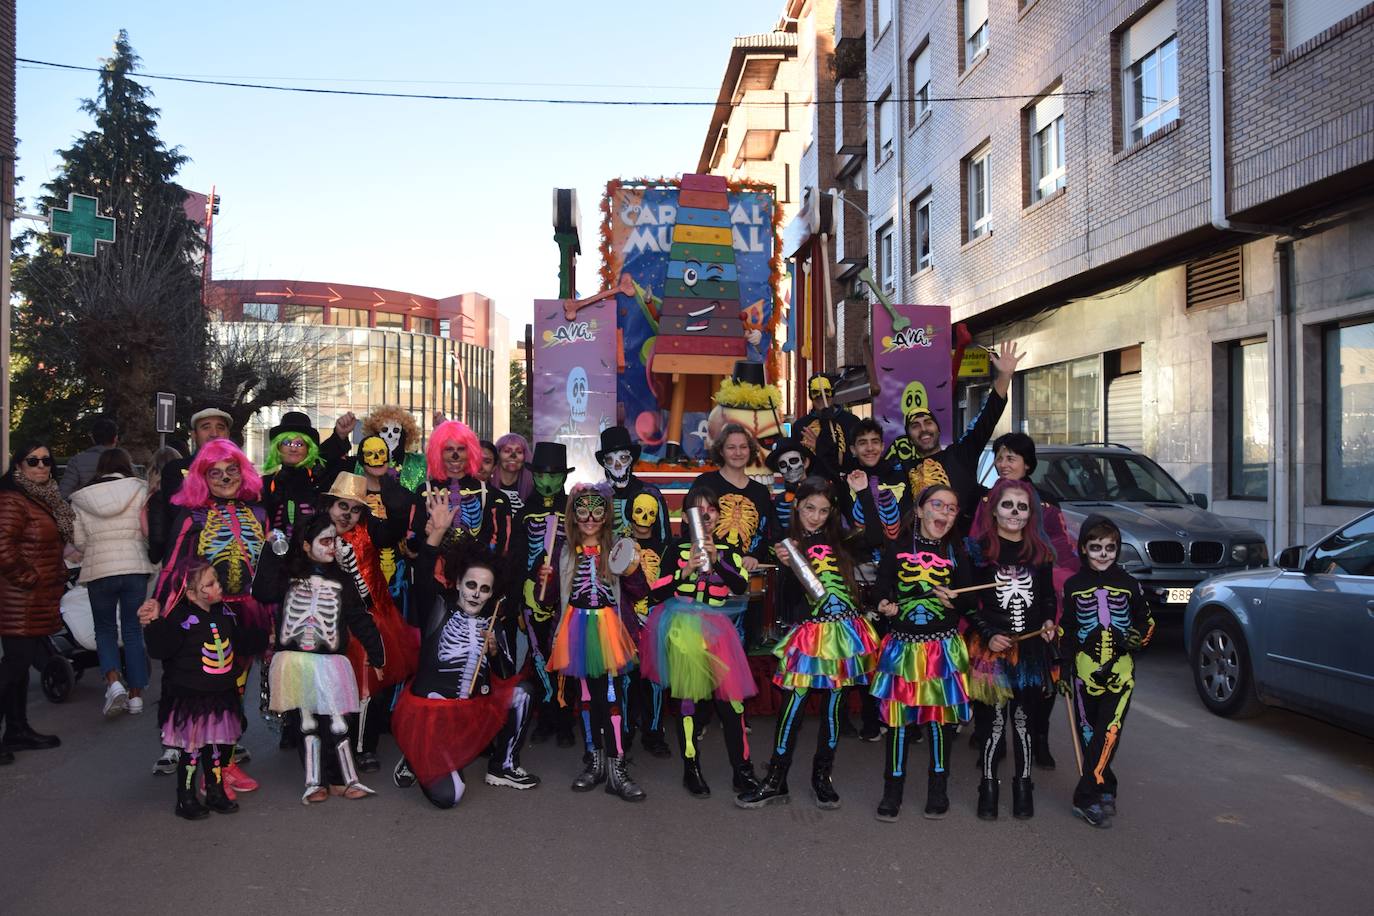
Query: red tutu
[[402, 644], [438, 737]]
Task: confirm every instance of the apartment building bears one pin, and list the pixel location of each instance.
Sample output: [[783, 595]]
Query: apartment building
[[1167, 202]]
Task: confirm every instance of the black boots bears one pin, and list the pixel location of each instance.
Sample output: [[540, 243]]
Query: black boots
[[215, 798], [188, 804], [987, 799], [937, 796], [824, 789], [692, 780], [891, 805], [1022, 798], [1040, 750], [772, 791], [745, 780], [18, 735], [619, 783], [593, 775]]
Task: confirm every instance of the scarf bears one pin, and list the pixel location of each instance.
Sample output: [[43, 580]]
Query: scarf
[[50, 498]]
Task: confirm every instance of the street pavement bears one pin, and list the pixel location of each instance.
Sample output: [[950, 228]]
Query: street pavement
[[1268, 815]]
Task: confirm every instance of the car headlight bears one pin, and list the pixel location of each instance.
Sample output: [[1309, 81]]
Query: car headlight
[[1129, 556], [1240, 553], [1256, 554]]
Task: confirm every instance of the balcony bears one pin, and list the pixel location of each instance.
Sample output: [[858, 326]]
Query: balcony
[[755, 126], [849, 22], [851, 230], [851, 119]]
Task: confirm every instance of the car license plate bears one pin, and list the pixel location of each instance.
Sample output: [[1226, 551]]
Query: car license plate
[[1177, 595]]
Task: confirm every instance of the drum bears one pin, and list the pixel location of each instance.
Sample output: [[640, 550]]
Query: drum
[[624, 557]]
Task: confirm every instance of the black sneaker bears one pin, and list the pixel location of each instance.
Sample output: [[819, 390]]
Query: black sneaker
[[402, 776], [515, 778], [1108, 803], [368, 762], [1094, 815]]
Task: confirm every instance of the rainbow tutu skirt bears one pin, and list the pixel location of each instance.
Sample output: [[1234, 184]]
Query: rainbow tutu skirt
[[694, 651], [827, 654], [922, 679], [592, 642]]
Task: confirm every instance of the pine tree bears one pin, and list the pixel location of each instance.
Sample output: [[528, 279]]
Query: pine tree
[[103, 334]]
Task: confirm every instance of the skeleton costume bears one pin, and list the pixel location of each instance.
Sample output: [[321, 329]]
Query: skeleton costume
[[200, 711], [747, 520], [320, 607], [922, 677], [462, 697], [290, 491], [1007, 683], [692, 650], [834, 647], [1106, 619], [229, 534], [617, 457], [792, 461], [393, 512], [832, 426]]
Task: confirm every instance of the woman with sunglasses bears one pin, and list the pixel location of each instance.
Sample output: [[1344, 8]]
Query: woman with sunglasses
[[592, 644], [1012, 628], [294, 472], [220, 520], [35, 524], [922, 680]]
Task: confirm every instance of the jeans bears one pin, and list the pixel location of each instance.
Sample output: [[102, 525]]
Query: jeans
[[114, 609]]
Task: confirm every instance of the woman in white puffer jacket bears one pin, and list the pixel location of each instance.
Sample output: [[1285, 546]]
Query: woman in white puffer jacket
[[115, 569]]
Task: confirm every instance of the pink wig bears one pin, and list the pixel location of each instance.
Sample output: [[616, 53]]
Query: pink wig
[[526, 482], [1035, 545], [447, 433], [195, 491]]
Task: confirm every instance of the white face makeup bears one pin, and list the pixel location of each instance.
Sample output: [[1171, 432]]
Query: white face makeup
[[792, 467], [322, 548], [474, 591], [1013, 511], [1102, 552], [391, 435], [617, 465]]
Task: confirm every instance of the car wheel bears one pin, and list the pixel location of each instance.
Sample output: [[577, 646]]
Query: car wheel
[[1222, 672]]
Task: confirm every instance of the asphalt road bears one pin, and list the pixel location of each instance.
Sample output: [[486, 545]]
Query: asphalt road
[[1269, 815]]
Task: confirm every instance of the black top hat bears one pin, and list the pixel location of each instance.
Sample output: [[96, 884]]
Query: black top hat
[[549, 458], [782, 447], [616, 439], [293, 421], [749, 372]]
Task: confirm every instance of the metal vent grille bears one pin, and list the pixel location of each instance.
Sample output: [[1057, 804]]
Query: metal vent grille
[[1165, 551], [1216, 280], [1206, 553]]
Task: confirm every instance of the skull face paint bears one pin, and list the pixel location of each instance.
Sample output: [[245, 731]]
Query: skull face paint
[[474, 590], [392, 435], [375, 453], [643, 515], [1013, 513], [577, 394], [820, 389], [617, 465], [548, 484], [322, 548], [792, 466]]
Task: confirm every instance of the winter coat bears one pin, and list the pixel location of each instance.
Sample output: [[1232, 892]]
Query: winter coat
[[32, 574], [109, 530]]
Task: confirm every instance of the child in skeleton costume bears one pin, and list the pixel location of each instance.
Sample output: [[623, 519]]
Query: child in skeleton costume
[[1106, 619], [397, 429], [481, 511], [320, 608], [641, 698], [221, 521], [467, 691], [833, 648], [922, 678], [539, 531], [1012, 628], [592, 644], [793, 462], [360, 540], [692, 649], [201, 712]]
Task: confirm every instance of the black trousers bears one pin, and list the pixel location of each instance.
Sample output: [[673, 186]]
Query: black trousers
[[731, 723], [790, 723], [20, 654], [1100, 708], [642, 706]]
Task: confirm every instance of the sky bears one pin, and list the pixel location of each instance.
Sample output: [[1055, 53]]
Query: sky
[[426, 197]]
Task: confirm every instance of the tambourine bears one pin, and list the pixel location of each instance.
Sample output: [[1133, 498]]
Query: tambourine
[[624, 557]]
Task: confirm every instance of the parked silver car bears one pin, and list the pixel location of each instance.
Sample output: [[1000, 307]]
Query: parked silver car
[[1300, 635], [1170, 542]]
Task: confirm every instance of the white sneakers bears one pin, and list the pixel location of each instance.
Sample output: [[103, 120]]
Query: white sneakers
[[167, 764], [135, 706], [117, 699]]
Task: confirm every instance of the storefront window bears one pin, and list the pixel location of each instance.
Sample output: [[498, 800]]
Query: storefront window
[[1062, 403], [1348, 395], [1249, 409]]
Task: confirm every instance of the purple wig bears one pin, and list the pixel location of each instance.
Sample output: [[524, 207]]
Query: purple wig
[[195, 490], [448, 433], [1035, 544], [526, 482]]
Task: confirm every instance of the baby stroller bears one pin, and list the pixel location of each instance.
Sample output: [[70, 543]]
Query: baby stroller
[[72, 649]]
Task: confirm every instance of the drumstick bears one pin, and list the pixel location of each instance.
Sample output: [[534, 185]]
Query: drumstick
[[1073, 731], [545, 571], [1029, 635], [491, 625], [972, 588]]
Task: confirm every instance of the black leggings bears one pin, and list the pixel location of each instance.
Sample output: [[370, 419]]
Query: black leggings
[[990, 723], [599, 704], [20, 654], [731, 722], [899, 743], [790, 722]]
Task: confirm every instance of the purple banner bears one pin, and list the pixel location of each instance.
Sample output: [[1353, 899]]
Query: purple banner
[[574, 383], [913, 367]]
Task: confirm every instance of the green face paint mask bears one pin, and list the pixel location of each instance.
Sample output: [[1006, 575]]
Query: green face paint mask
[[546, 484]]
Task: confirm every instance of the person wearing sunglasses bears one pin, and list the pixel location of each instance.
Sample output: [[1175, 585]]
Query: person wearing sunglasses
[[1012, 628], [35, 524], [294, 472]]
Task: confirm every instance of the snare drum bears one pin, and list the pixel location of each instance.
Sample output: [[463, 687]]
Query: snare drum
[[624, 557]]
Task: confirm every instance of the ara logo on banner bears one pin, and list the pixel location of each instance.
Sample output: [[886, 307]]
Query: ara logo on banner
[[573, 389], [571, 332], [909, 339], [913, 368]]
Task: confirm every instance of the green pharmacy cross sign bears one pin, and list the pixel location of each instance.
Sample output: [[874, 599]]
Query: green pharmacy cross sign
[[82, 225]]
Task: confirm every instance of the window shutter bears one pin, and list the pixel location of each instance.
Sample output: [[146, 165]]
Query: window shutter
[[922, 69], [1305, 19], [1047, 109], [975, 14], [1216, 280], [1149, 32]]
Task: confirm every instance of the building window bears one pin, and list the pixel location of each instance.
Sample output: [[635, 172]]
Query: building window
[[390, 320], [978, 193], [1348, 396], [975, 30], [882, 125], [882, 17], [349, 318], [1149, 70], [422, 325], [920, 233], [260, 311], [302, 314], [1045, 129], [1062, 403], [887, 269], [918, 83], [1249, 408], [1304, 20]]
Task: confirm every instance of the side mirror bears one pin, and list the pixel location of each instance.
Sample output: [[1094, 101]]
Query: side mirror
[[1200, 500], [1290, 558]]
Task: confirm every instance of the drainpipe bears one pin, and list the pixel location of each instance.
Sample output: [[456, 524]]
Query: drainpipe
[[899, 139]]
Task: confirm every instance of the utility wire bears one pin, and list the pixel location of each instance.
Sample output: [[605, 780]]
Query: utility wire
[[659, 103]]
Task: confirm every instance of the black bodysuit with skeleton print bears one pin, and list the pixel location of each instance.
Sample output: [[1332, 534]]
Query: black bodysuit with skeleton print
[[452, 642], [1020, 602], [318, 610]]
